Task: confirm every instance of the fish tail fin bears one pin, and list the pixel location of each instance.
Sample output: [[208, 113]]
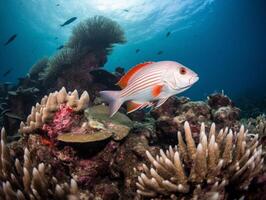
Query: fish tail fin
[[113, 99]]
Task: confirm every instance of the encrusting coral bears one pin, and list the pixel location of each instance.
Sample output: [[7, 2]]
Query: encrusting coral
[[26, 180], [58, 106], [96, 33], [203, 170]]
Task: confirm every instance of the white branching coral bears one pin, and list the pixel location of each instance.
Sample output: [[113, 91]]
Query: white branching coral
[[203, 170], [43, 112], [24, 180]]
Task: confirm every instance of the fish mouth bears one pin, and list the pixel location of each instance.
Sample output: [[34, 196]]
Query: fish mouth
[[193, 80]]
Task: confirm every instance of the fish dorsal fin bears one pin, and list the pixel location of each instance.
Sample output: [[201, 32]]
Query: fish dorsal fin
[[124, 80]]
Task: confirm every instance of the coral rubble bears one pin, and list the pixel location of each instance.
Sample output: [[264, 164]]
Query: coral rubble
[[220, 159]]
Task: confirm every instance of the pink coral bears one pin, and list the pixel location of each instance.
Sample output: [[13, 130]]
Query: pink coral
[[63, 121]]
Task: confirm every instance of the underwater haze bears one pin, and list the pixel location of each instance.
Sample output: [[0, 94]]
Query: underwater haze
[[223, 41]]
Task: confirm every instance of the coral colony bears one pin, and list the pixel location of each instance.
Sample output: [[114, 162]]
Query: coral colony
[[69, 148]]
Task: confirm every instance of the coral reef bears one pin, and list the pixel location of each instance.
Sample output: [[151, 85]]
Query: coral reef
[[257, 125], [223, 109], [62, 60], [29, 180], [69, 147], [220, 159], [56, 113], [86, 50], [62, 116], [77, 143], [170, 116]]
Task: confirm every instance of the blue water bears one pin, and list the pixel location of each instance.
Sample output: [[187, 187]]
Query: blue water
[[224, 41]]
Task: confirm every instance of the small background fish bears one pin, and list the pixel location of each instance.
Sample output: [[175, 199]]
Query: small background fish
[[69, 21]]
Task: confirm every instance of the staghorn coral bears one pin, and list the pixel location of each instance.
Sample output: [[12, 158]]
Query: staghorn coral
[[96, 33], [26, 180], [220, 159], [57, 107]]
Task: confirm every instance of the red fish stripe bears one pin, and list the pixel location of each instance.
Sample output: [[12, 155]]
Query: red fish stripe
[[144, 77], [136, 84], [147, 71], [145, 84], [145, 74], [134, 88]]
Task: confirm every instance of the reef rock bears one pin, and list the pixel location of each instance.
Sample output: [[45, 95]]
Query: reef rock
[[223, 110], [170, 116], [178, 110]]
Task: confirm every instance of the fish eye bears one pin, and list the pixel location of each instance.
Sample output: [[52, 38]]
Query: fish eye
[[182, 70]]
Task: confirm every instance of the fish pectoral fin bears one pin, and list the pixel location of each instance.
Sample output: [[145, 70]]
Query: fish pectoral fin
[[161, 102], [133, 106], [156, 90]]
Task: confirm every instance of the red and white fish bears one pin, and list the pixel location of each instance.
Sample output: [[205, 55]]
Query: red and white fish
[[150, 84]]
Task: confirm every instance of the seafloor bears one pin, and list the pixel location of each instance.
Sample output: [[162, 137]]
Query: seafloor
[[58, 141]]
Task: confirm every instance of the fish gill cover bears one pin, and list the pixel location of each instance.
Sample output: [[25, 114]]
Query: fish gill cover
[[58, 140]]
